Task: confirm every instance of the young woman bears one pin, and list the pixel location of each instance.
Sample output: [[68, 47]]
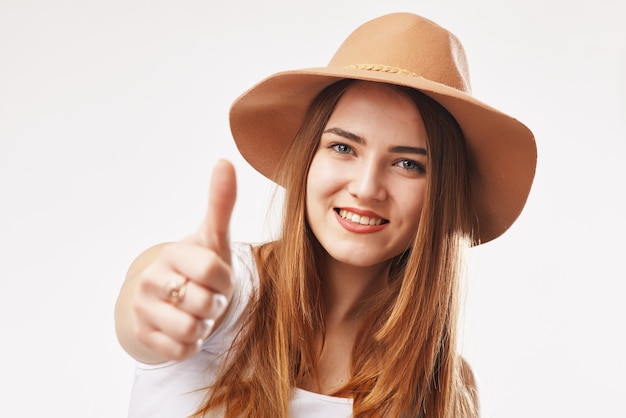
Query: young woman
[[391, 170]]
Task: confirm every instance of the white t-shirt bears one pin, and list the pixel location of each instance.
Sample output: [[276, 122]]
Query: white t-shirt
[[176, 389]]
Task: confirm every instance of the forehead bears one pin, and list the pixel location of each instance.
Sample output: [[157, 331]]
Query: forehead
[[377, 111]]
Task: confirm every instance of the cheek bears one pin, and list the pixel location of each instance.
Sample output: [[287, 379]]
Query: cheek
[[412, 205], [323, 178]]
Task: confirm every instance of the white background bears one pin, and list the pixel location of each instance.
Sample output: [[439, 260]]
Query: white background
[[113, 113]]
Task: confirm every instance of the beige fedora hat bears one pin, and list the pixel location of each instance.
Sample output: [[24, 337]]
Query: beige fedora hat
[[408, 50]]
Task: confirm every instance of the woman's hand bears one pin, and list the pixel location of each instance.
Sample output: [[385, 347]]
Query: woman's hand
[[175, 294]]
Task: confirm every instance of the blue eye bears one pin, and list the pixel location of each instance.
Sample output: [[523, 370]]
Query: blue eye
[[342, 148], [411, 165]]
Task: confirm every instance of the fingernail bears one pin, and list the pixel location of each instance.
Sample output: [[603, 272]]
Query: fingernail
[[219, 303], [209, 324], [202, 330]]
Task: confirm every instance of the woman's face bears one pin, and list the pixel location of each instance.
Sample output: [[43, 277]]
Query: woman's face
[[367, 180]]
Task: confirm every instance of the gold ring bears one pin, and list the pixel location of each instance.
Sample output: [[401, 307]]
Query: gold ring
[[175, 291]]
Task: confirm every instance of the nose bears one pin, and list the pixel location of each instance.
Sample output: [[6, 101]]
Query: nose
[[368, 183]]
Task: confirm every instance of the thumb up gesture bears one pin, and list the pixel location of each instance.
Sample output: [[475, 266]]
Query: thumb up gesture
[[175, 294]]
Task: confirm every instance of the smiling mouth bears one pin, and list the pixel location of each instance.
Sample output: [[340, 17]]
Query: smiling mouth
[[359, 219]]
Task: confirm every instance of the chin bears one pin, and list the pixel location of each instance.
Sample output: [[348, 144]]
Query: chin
[[358, 259]]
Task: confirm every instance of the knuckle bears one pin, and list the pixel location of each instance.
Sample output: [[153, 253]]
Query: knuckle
[[168, 252], [139, 308], [213, 305], [205, 304], [176, 352], [144, 337], [218, 275], [188, 329], [144, 286], [148, 281], [181, 351], [211, 262]]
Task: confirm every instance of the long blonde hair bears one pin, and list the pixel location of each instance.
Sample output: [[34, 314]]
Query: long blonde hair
[[404, 362]]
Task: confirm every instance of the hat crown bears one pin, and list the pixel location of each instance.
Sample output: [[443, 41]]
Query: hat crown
[[408, 44]]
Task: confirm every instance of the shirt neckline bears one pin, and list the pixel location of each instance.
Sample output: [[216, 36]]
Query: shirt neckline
[[325, 398]]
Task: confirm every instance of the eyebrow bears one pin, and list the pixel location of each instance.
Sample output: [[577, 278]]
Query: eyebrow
[[396, 149], [345, 134], [409, 150]]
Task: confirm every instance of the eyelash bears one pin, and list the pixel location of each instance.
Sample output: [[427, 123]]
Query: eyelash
[[347, 150], [416, 166], [343, 149]]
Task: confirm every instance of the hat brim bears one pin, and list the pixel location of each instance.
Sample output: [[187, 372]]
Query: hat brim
[[501, 150]]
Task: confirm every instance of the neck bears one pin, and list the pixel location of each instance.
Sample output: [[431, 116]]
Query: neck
[[346, 287]]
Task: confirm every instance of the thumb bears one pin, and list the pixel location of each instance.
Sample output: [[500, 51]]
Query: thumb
[[213, 232]]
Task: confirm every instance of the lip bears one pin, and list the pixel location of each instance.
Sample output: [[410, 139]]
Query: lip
[[358, 228]]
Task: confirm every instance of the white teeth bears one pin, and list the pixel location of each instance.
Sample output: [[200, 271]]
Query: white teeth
[[357, 219]]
